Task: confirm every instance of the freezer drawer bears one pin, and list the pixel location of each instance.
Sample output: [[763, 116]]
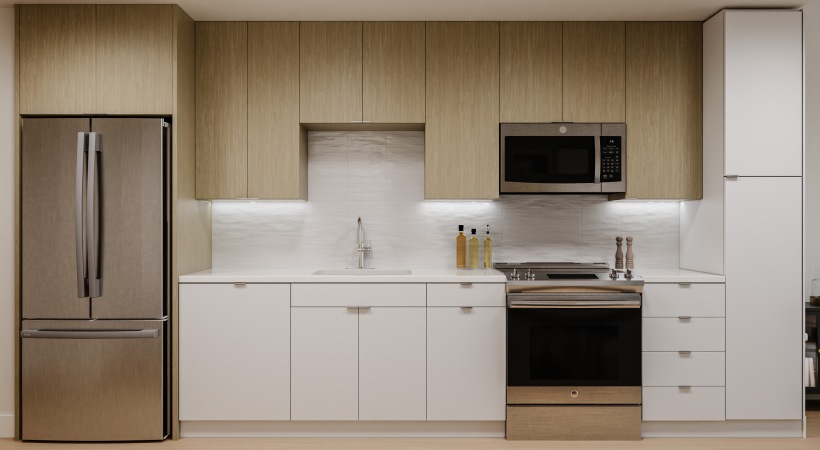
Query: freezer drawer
[[93, 380]]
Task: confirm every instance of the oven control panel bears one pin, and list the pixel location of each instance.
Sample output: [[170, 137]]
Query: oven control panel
[[610, 158]]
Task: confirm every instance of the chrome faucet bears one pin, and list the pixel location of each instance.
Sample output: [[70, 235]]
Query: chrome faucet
[[360, 247]]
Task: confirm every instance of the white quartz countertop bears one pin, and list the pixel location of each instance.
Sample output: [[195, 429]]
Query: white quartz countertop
[[678, 276], [304, 276]]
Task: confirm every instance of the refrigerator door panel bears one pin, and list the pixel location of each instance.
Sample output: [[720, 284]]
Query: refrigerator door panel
[[129, 170], [52, 262], [78, 387]]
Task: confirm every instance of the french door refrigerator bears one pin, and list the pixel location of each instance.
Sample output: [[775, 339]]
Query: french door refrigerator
[[95, 287]]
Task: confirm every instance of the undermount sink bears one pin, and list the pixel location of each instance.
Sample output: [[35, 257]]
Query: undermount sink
[[363, 272]]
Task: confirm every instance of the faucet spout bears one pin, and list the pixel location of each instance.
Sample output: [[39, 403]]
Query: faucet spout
[[361, 248]]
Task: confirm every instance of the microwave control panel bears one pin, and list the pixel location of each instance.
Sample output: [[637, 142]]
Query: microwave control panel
[[610, 158]]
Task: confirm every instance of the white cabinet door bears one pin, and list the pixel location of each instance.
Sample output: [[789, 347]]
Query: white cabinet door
[[764, 93], [392, 363], [324, 372], [466, 363], [234, 352], [764, 304]]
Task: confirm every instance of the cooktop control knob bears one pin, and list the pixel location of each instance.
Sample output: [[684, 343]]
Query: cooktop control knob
[[628, 274], [529, 275], [515, 275], [613, 274]]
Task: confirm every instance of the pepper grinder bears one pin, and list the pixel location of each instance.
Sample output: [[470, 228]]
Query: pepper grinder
[[630, 257], [619, 254]]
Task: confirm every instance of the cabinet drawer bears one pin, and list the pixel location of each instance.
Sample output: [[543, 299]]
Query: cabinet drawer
[[684, 299], [697, 334], [675, 403], [684, 369], [466, 294], [355, 294]]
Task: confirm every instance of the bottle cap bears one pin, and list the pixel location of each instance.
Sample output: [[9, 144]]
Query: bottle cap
[[461, 228], [473, 231]]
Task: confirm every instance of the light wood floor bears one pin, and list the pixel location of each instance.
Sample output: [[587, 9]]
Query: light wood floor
[[812, 442]]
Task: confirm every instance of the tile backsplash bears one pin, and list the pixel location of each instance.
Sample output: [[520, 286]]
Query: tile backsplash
[[379, 176]]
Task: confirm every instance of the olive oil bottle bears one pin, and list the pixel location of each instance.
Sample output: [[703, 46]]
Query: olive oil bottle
[[488, 250], [461, 248], [473, 250]]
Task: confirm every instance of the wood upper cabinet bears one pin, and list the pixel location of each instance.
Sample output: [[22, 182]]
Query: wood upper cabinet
[[277, 152], [593, 71], [330, 73], [531, 75], [461, 133], [393, 72], [56, 59], [663, 110], [96, 59], [221, 110], [135, 59]]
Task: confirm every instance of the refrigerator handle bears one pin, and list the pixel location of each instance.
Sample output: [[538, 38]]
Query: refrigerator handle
[[89, 334], [82, 152], [93, 216]]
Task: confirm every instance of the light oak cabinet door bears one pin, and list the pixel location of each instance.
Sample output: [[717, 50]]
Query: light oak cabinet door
[[330, 73], [324, 363], [466, 361], [57, 58], [461, 132], [277, 152], [234, 352], [531, 89], [593, 72], [393, 72], [664, 110], [135, 59], [221, 110], [392, 362]]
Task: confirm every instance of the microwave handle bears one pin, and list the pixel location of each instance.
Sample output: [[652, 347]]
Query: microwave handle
[[598, 159]]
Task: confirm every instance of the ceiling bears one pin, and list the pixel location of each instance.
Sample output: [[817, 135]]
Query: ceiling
[[431, 10]]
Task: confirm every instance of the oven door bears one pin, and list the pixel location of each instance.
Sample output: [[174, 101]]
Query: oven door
[[550, 158], [568, 346]]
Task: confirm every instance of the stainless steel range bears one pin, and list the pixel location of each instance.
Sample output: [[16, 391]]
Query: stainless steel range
[[573, 351]]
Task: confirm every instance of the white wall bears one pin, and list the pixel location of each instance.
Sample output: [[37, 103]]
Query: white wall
[[811, 51], [7, 222], [380, 177]]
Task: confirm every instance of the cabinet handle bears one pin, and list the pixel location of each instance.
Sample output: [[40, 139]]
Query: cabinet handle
[[239, 285], [358, 307], [685, 284], [685, 353], [685, 388], [684, 317], [731, 177], [467, 308], [466, 284]]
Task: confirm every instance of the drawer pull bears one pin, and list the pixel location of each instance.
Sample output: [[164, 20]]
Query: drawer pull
[[239, 285], [685, 353], [685, 388], [358, 307], [686, 318], [467, 308], [466, 284], [685, 285], [573, 393]]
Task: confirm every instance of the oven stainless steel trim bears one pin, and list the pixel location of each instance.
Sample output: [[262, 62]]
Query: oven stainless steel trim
[[572, 129]]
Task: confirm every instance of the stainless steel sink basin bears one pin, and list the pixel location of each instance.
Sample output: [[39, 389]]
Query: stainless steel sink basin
[[363, 272]]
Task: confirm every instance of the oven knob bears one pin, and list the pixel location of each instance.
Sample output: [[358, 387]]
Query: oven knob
[[628, 274], [613, 274], [529, 275], [573, 393], [515, 275]]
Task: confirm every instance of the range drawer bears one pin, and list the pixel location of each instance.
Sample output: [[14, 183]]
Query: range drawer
[[674, 403], [697, 334], [684, 299], [684, 369], [467, 294], [355, 295]]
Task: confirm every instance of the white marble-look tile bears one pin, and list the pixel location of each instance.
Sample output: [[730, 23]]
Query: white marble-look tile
[[379, 176]]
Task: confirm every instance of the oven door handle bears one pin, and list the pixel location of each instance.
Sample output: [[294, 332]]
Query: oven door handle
[[574, 300]]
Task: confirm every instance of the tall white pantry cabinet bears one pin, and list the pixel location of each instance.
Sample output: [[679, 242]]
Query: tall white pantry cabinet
[[749, 225]]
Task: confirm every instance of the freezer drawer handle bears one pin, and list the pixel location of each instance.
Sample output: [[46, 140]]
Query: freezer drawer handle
[[93, 212], [89, 334], [79, 224]]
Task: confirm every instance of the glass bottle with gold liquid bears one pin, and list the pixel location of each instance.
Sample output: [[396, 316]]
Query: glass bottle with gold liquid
[[488, 250], [461, 248], [473, 250]]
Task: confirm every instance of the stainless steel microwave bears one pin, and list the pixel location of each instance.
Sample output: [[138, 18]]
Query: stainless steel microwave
[[567, 158]]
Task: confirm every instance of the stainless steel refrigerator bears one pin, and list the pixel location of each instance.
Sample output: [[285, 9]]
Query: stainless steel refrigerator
[[95, 283]]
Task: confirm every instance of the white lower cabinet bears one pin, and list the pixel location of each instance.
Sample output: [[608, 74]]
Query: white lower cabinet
[[234, 352], [684, 368], [391, 363], [689, 403], [324, 363], [466, 363]]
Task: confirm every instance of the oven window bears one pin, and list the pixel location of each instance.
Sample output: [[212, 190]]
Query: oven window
[[580, 353], [549, 159]]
